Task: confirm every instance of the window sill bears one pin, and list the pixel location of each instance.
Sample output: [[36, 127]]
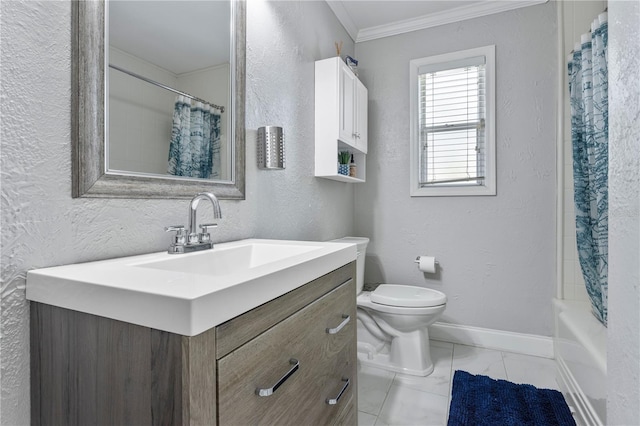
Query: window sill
[[454, 191]]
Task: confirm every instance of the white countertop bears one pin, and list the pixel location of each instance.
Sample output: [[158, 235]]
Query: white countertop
[[135, 290]]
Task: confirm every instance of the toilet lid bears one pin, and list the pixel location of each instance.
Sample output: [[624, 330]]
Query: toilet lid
[[407, 295]]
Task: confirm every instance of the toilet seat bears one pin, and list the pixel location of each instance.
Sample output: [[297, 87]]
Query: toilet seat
[[363, 301], [407, 296]]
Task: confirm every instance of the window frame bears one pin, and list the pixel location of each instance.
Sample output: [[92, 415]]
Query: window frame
[[489, 185]]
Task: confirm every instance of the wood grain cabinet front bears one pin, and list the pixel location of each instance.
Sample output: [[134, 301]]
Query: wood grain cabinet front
[[291, 361], [301, 371]]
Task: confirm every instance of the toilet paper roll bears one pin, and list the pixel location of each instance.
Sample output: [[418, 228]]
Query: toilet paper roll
[[427, 264]]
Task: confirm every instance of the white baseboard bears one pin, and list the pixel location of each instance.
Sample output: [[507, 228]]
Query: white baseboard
[[528, 344]]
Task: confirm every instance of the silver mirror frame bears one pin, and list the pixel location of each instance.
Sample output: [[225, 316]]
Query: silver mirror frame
[[89, 175]]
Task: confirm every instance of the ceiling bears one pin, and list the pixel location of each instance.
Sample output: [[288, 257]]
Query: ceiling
[[368, 20], [149, 29]]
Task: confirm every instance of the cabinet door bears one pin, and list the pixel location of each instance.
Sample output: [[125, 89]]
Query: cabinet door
[[347, 100], [362, 111], [323, 359]]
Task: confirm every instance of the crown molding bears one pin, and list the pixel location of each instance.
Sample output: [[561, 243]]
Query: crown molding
[[345, 19], [432, 20]]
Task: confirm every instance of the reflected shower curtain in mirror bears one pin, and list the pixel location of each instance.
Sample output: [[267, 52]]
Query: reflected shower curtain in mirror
[[590, 138], [194, 150]]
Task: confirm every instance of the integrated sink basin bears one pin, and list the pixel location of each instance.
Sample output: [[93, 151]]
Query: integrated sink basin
[[188, 293], [234, 259]]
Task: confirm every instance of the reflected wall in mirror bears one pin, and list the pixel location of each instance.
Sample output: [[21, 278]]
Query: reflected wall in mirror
[[172, 76], [158, 52]]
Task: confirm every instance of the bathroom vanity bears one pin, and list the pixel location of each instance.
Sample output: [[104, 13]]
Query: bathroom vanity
[[291, 360]]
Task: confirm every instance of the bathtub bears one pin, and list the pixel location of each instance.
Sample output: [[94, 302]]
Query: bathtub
[[580, 345]]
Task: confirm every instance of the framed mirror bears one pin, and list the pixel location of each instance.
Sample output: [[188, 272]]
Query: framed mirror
[[131, 101]]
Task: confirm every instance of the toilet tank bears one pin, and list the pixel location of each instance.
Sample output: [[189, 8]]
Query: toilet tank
[[361, 243]]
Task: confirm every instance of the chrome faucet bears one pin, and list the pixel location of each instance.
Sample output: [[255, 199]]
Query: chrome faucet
[[188, 241]]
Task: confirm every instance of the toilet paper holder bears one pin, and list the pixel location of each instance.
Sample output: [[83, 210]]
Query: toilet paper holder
[[418, 261], [427, 264]]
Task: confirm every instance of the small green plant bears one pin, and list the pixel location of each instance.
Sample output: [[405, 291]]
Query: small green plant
[[344, 157]]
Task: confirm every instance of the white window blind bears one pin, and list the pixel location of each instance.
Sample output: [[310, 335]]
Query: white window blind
[[452, 109]]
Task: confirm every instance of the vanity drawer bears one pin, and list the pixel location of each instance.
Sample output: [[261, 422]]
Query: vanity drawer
[[323, 360], [335, 374], [241, 329]]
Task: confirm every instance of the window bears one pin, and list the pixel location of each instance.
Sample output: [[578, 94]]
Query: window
[[452, 124]]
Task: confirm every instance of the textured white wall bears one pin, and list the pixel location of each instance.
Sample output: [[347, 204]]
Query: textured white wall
[[43, 226], [623, 335], [497, 254]]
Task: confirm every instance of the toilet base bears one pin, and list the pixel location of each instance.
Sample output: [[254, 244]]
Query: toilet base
[[416, 361], [395, 338], [381, 360]]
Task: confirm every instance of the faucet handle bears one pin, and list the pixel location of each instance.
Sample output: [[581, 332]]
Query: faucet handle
[[174, 228], [181, 234], [204, 236], [205, 226]]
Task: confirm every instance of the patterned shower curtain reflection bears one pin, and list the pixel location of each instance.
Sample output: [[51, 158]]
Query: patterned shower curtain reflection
[[590, 137], [194, 150]]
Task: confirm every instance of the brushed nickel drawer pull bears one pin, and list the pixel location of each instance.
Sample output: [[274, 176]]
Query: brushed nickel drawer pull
[[271, 390], [336, 330], [334, 401]]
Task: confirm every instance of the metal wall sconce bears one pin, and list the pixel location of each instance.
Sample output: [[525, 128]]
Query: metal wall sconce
[[271, 148]]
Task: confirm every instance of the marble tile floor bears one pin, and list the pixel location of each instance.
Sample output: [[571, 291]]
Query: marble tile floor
[[386, 398]]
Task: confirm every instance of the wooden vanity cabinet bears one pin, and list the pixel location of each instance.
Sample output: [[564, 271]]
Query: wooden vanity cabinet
[[93, 370], [322, 360]]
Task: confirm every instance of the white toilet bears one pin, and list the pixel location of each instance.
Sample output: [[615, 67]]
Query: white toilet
[[393, 321]]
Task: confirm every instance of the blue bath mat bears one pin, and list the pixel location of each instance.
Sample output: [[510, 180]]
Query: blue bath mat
[[481, 400]]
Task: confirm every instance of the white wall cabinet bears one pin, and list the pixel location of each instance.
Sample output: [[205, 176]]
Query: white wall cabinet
[[340, 119], [361, 117]]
